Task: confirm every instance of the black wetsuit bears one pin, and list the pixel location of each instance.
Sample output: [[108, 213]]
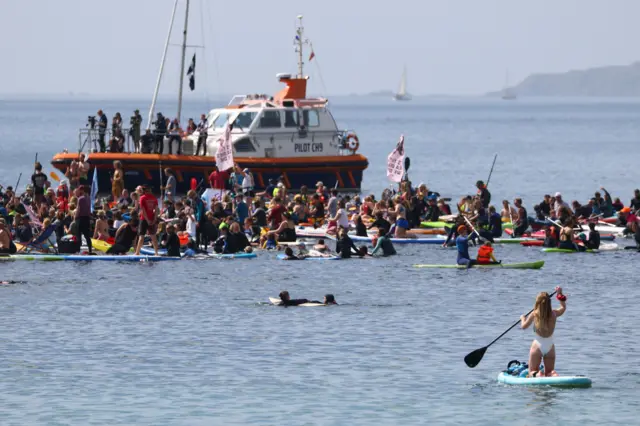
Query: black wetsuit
[[594, 240], [236, 242], [173, 245], [288, 235], [293, 302], [433, 213], [124, 241], [523, 223], [344, 247], [550, 242], [495, 225], [260, 217], [383, 226], [361, 229], [485, 196]]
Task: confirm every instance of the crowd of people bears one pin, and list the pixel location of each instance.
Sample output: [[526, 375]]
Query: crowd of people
[[165, 131], [232, 216]]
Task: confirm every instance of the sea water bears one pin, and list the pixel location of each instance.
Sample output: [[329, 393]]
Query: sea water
[[196, 343]]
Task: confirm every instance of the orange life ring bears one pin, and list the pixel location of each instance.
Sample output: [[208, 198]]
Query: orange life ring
[[352, 142]]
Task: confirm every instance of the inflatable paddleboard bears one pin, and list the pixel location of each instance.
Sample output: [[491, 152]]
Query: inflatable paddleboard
[[233, 256], [560, 381], [276, 301], [560, 250], [526, 265], [41, 257], [115, 258], [436, 239]]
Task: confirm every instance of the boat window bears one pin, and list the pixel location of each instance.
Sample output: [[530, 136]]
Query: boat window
[[311, 118], [244, 119], [291, 118], [221, 120], [244, 145], [270, 119]]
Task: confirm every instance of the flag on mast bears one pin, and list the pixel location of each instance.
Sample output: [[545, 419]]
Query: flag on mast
[[312, 55], [395, 162], [191, 72]]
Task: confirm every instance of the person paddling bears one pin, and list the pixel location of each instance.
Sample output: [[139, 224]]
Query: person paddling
[[544, 319], [462, 244], [593, 242]]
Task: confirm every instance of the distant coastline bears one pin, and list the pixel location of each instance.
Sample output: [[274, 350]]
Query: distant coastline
[[601, 82]]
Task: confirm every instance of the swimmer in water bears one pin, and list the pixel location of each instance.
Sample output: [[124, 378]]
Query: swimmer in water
[[321, 246], [285, 300], [288, 252]]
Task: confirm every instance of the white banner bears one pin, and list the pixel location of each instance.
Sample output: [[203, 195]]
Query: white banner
[[395, 162], [224, 154], [210, 196]]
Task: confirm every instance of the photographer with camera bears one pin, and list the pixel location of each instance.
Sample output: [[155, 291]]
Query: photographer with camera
[[159, 132], [102, 130], [203, 125], [134, 131]]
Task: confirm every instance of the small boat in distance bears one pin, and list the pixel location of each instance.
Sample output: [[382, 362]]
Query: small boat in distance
[[508, 93], [402, 94]]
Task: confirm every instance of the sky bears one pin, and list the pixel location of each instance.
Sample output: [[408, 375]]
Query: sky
[[457, 47]]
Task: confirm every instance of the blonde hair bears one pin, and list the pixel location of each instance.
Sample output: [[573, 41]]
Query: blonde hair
[[542, 311]]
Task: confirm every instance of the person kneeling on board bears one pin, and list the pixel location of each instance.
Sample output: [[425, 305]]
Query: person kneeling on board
[[462, 244], [125, 237], [486, 256], [383, 243], [286, 300], [544, 324]]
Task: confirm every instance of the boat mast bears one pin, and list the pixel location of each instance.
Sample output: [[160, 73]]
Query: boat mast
[[299, 42], [184, 51], [164, 56]]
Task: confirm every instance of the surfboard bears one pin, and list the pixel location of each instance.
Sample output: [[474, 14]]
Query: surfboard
[[276, 301], [559, 381]]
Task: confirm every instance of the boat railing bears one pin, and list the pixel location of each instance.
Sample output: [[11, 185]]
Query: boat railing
[[89, 139]]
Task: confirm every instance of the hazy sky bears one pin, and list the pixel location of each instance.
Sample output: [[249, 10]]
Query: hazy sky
[[455, 46]]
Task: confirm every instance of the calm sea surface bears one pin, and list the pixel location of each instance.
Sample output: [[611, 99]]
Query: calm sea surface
[[194, 343]]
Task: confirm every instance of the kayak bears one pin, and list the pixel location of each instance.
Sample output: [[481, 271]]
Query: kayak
[[284, 257], [559, 250], [525, 265], [276, 301], [559, 381]]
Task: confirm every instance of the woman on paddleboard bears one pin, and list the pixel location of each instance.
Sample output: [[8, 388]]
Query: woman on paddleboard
[[543, 319]]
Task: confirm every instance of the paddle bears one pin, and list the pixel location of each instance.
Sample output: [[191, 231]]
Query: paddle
[[491, 171], [474, 229], [15, 190], [472, 359]]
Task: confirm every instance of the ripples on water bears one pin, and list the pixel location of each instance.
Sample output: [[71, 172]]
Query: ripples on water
[[195, 342]]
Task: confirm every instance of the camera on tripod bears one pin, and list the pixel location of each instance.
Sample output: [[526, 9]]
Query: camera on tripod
[[91, 122]]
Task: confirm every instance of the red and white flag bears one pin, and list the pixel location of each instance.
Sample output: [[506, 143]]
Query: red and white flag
[[224, 154], [395, 162]]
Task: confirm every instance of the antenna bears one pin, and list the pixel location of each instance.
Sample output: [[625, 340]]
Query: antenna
[[298, 43]]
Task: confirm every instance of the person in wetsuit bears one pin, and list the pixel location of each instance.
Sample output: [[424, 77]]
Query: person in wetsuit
[[593, 242], [125, 237], [495, 223], [288, 252], [286, 300], [173, 242], [383, 243], [381, 223], [361, 229], [550, 239], [483, 194], [462, 244], [345, 244]]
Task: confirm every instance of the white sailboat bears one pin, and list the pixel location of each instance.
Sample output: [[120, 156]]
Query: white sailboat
[[402, 94], [508, 94]]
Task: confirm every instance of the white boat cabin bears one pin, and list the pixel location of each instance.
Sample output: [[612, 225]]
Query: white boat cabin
[[285, 125]]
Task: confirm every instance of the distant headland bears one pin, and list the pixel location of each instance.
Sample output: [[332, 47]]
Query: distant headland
[[609, 81]]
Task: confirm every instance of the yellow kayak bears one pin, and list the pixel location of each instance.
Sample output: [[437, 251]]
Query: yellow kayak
[[100, 245]]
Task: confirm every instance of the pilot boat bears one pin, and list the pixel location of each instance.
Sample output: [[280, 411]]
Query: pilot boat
[[287, 135]]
